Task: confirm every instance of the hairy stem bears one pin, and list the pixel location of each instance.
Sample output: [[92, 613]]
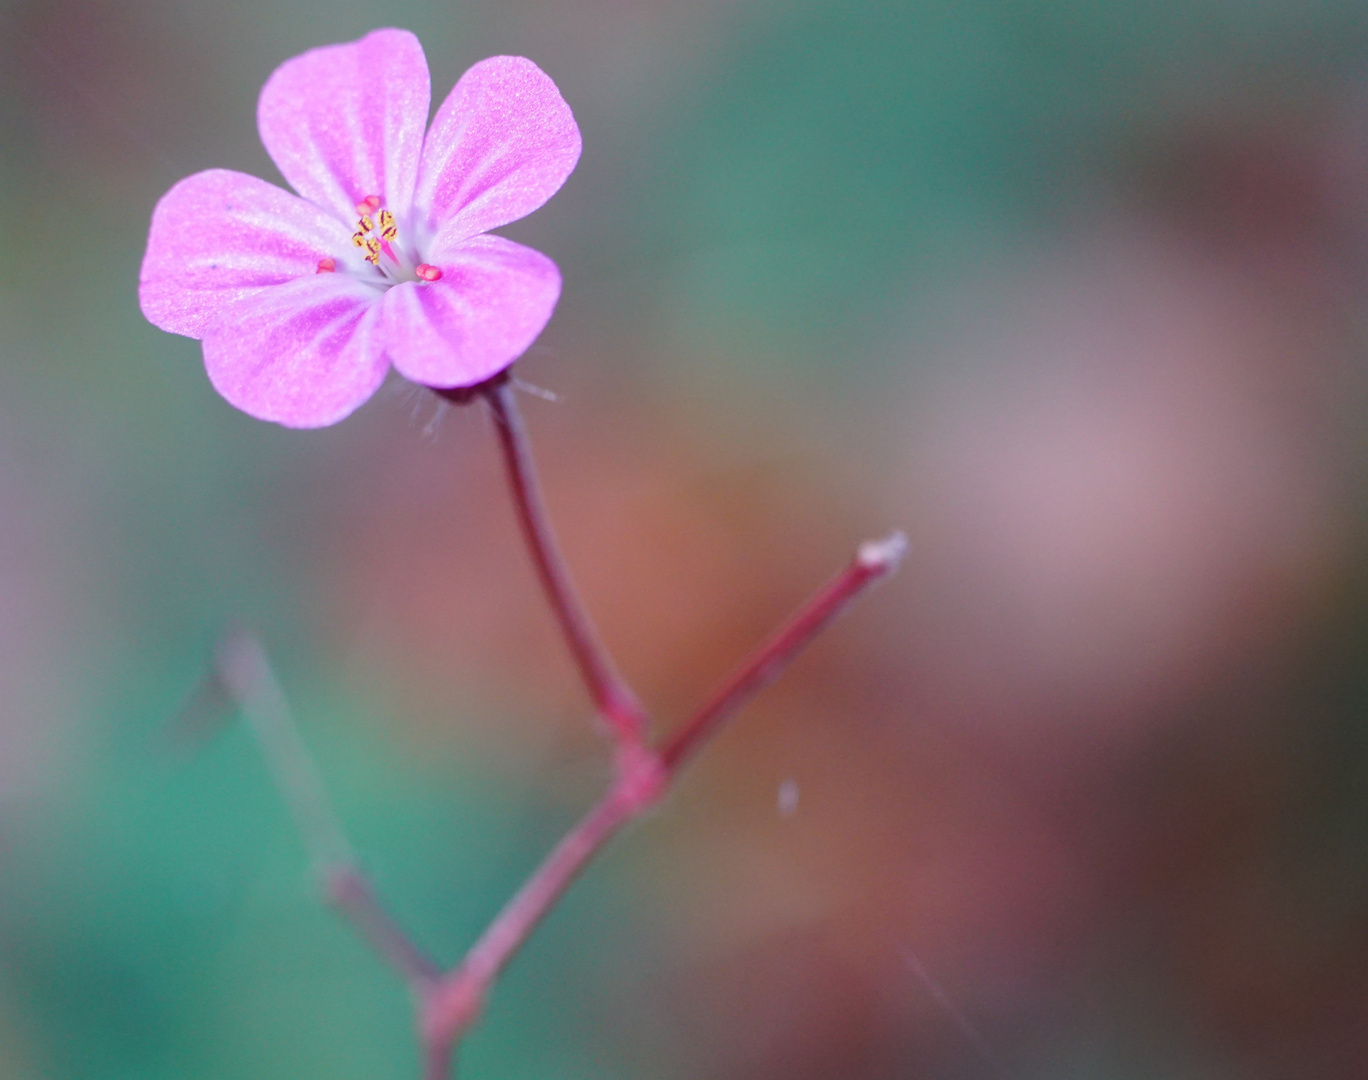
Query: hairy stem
[[614, 699], [448, 1004], [642, 780]]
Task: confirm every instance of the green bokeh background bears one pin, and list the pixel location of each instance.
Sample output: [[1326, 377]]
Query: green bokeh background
[[789, 219]]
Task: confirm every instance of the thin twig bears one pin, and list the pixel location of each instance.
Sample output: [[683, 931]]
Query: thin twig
[[245, 672], [350, 891], [614, 699], [874, 559], [457, 1002], [642, 780], [448, 1004]]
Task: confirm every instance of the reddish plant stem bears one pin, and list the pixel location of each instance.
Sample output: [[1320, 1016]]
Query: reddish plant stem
[[351, 893], [614, 699], [439, 1057], [245, 674], [634, 790], [448, 1004], [642, 780], [872, 561], [456, 1003]]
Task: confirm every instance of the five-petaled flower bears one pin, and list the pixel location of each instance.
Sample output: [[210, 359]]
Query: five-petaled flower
[[303, 302]]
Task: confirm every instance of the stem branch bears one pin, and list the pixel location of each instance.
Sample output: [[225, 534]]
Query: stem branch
[[643, 779], [448, 1004], [874, 559], [245, 673]]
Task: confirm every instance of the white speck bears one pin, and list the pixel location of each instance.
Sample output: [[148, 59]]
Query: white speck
[[883, 555], [788, 797]]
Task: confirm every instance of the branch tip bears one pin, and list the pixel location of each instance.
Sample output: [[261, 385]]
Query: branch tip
[[883, 556]]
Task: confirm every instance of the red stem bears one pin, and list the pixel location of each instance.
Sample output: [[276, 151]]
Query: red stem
[[449, 1004], [613, 698], [456, 1003], [643, 779], [874, 560]]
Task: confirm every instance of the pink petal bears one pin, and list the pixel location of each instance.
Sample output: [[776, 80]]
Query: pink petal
[[305, 354], [219, 236], [493, 299], [502, 143], [346, 121]]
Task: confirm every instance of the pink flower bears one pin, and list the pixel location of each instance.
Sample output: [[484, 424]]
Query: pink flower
[[304, 301]]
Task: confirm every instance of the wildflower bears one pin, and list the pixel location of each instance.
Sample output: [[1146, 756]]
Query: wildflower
[[303, 302]]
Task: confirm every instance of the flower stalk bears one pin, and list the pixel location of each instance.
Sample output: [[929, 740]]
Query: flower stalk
[[618, 707], [300, 324], [643, 778], [875, 559], [448, 1003]]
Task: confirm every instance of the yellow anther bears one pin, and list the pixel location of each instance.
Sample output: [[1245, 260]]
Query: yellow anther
[[366, 225]]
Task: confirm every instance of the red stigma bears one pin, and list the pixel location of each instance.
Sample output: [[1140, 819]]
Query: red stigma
[[369, 205], [326, 266], [427, 271]]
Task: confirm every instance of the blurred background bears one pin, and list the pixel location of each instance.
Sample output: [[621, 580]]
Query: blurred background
[[1076, 294]]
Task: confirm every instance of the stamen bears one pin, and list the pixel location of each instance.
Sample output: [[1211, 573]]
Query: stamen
[[326, 265], [427, 271], [379, 243]]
